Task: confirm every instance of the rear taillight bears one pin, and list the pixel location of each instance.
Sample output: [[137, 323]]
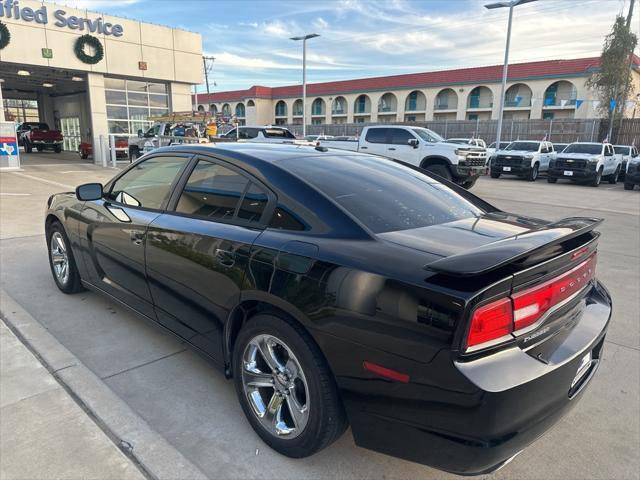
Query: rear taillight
[[521, 310]]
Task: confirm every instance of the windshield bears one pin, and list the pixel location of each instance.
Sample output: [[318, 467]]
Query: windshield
[[622, 149], [560, 146], [589, 148], [383, 195], [427, 135], [527, 146]]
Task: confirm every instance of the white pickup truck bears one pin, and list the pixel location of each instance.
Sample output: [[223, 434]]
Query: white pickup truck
[[462, 164], [524, 158], [586, 162]]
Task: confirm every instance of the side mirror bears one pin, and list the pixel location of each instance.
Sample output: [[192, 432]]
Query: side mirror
[[413, 142], [89, 191], [140, 133]]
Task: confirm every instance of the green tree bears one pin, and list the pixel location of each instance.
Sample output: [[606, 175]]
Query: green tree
[[613, 79]]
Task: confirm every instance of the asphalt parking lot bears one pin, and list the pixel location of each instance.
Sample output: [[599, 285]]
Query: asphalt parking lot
[[190, 404]]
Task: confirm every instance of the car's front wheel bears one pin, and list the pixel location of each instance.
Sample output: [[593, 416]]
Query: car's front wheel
[[552, 180], [613, 178], [61, 260], [628, 186], [597, 179], [533, 173], [285, 387]]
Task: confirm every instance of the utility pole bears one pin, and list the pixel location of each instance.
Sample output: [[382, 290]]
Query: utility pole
[[612, 111], [304, 78], [505, 68], [205, 59]]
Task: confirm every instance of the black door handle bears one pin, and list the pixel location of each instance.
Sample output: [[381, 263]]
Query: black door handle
[[391, 148], [225, 257], [363, 148]]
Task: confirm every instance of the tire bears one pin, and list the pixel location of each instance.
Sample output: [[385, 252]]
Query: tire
[[470, 183], [313, 388], [134, 154], [27, 147], [552, 180], [57, 149], [628, 186], [40, 148], [495, 174], [440, 170], [59, 247], [613, 178], [84, 156], [533, 173], [597, 179]]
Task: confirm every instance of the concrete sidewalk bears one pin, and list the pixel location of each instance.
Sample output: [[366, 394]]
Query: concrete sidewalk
[[44, 433]]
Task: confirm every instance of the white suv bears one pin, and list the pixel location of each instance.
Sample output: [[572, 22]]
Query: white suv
[[524, 158]]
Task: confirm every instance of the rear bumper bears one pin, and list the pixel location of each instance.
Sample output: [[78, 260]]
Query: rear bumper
[[472, 418], [575, 174]]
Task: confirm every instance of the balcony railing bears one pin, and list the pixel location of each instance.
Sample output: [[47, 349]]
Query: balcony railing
[[480, 105], [514, 103], [557, 102], [338, 111], [386, 109], [445, 106], [297, 113]]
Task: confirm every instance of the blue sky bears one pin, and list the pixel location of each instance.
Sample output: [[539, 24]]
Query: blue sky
[[363, 38]]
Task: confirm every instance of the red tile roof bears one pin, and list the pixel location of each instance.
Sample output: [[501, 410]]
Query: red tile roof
[[491, 74]]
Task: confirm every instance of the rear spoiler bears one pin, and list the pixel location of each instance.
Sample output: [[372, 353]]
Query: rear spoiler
[[487, 258]]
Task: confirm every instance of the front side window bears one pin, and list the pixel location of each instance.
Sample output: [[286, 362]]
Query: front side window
[[212, 191], [400, 136], [148, 184], [387, 196]]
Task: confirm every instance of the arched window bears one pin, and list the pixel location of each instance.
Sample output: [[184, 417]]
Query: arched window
[[446, 99], [416, 101], [251, 103], [387, 103], [363, 104], [201, 108], [213, 109], [317, 107], [281, 109], [240, 110], [226, 110], [339, 106], [480, 97], [562, 93], [297, 108]]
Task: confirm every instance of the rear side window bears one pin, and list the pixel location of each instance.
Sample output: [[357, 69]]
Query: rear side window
[[383, 195], [147, 184], [376, 135], [278, 133], [400, 136], [212, 191]]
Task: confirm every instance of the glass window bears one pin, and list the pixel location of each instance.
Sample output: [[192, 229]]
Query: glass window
[[138, 113], [147, 184], [117, 112], [428, 135], [114, 83], [115, 98], [526, 146], [387, 196], [278, 133], [400, 136], [140, 99], [284, 220], [157, 88], [376, 135], [253, 204], [134, 86], [158, 100], [213, 191], [118, 126], [589, 148]]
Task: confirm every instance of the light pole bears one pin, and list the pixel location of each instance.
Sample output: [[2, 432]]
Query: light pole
[[491, 6], [304, 78]]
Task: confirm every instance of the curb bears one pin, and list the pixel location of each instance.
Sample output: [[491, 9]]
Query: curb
[[151, 452]]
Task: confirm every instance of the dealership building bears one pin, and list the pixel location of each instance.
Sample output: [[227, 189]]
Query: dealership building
[[90, 74], [550, 89]]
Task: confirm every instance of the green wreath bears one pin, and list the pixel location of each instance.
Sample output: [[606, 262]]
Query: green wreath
[[5, 36], [91, 41]]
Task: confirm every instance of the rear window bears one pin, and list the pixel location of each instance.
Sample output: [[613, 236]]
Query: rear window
[[278, 133], [383, 195]]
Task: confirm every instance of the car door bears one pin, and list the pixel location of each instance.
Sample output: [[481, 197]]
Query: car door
[[197, 251], [609, 160], [399, 147], [113, 229], [375, 141]]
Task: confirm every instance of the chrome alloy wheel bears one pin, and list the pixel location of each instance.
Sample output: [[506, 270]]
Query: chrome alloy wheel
[[59, 258], [275, 386]]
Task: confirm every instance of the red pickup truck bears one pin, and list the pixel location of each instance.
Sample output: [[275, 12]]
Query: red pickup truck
[[38, 135]]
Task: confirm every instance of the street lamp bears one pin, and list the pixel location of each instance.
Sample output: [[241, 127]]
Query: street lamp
[[304, 78], [491, 6]]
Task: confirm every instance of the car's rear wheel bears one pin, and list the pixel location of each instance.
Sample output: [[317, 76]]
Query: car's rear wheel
[[61, 260], [57, 149], [495, 174], [27, 147], [285, 387], [40, 148], [440, 170], [628, 186]]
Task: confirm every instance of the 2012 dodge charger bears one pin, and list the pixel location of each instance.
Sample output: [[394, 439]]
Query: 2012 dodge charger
[[339, 288]]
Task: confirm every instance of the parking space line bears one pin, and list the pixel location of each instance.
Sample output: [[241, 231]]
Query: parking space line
[[38, 179], [15, 194]]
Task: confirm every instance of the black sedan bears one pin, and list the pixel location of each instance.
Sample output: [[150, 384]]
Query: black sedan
[[339, 288]]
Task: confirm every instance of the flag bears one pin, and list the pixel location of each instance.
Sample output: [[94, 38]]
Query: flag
[[544, 139], [518, 99], [563, 103], [612, 104], [606, 139], [578, 103]]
